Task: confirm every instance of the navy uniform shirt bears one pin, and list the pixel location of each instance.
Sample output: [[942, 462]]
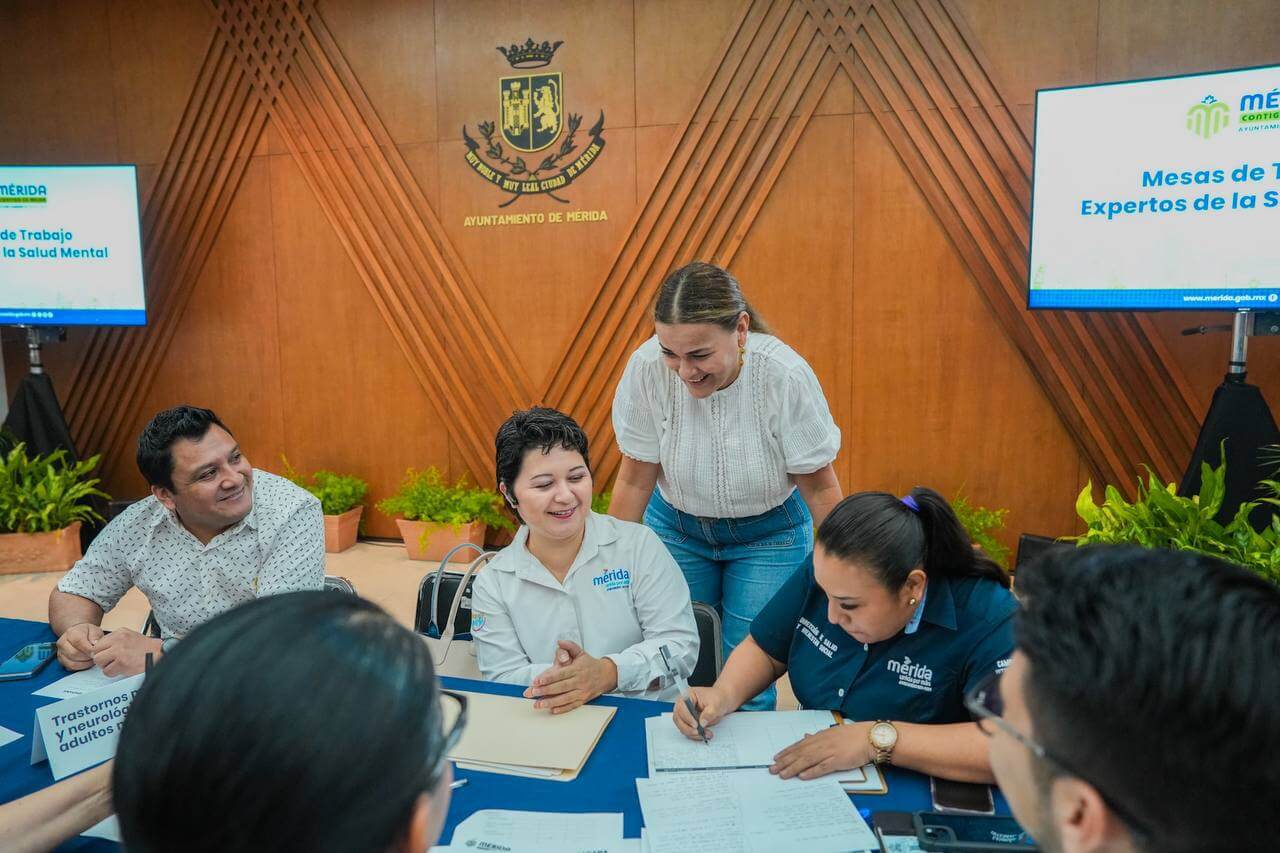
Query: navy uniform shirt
[[964, 632]]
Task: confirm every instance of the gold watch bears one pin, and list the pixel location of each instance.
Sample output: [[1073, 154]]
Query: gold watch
[[884, 737]]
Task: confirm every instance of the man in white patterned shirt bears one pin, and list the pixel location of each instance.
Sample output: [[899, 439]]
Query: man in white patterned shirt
[[214, 533]]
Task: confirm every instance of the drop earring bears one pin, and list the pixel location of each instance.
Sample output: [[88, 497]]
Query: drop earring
[[742, 355]]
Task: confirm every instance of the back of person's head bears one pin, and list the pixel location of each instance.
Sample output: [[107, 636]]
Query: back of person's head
[[308, 721], [155, 460], [700, 292], [1155, 675], [538, 428], [891, 536]]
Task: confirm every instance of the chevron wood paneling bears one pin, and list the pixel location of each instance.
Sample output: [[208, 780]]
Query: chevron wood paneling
[[274, 83]]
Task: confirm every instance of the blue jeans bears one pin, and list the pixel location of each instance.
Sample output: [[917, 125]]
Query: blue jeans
[[736, 564]]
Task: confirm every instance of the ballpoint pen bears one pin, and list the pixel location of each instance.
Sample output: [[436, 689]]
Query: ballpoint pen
[[683, 686]]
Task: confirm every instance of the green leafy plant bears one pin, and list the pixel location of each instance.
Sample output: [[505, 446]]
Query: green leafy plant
[[600, 503], [425, 496], [338, 493], [1161, 518], [45, 493], [982, 525]]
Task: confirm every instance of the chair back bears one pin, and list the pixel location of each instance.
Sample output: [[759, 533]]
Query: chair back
[[1031, 546], [710, 646], [151, 628], [436, 594]]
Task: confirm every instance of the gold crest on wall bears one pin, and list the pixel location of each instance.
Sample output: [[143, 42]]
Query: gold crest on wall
[[531, 119]]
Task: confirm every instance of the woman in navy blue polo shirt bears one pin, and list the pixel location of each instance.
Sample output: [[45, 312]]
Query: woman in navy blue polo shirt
[[890, 621]]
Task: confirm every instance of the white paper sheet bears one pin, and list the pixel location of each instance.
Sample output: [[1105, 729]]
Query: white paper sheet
[[77, 683], [108, 829], [539, 832], [746, 739], [749, 812], [8, 736]]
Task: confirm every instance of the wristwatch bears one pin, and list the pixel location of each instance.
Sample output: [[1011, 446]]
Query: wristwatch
[[884, 737]]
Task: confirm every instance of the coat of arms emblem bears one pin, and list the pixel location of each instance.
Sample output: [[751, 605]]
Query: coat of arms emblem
[[531, 119]]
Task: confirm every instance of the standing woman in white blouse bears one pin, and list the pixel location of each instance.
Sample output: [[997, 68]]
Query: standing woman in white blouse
[[732, 427]]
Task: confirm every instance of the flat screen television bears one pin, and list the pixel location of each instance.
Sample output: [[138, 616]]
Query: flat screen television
[[1158, 194], [70, 251]]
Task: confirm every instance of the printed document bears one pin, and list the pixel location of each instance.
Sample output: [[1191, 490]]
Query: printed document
[[749, 812], [741, 740]]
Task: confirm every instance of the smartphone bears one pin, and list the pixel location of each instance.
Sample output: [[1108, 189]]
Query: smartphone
[[27, 661], [961, 797], [957, 833]]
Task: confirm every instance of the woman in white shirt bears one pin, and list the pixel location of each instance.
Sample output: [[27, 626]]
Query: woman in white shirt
[[731, 426], [578, 604]]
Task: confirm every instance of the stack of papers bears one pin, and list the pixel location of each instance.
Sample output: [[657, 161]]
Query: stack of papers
[[506, 734], [749, 812], [747, 740], [719, 796], [540, 832]]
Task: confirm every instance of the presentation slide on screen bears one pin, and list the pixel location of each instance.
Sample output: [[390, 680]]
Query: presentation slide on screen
[[1160, 194], [69, 247]]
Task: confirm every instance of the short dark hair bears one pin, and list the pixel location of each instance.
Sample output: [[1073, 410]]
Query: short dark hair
[[1157, 675], [892, 538], [155, 460], [301, 721], [538, 427]]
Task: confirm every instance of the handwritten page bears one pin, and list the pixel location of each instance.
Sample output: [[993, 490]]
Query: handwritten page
[[77, 684], [749, 812], [742, 740], [536, 832]]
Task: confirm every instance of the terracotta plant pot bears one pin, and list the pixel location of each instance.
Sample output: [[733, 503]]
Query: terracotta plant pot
[[40, 552], [340, 531], [441, 538]]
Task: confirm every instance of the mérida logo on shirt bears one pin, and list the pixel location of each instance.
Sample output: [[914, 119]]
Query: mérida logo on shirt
[[917, 676], [612, 579]]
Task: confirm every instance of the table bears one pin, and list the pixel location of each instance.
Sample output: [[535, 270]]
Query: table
[[606, 783]]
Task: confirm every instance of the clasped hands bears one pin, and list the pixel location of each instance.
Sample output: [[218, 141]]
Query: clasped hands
[[840, 747], [574, 679], [122, 652]]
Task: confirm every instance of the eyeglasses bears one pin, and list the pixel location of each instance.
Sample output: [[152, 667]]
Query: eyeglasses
[[453, 708], [986, 704]]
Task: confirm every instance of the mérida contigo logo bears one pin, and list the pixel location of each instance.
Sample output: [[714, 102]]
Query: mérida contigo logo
[[531, 119], [1208, 117]]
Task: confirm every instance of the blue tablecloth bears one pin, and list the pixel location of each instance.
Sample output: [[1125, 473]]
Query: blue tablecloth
[[606, 783]]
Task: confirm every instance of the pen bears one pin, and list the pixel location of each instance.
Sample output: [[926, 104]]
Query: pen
[[683, 686], [458, 784]]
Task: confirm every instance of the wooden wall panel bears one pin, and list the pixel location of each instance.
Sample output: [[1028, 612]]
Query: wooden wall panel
[[801, 242], [938, 391], [153, 41], [305, 196], [393, 55], [57, 98], [226, 354], [338, 365]]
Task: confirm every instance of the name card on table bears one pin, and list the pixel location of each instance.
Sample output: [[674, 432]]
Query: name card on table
[[82, 731]]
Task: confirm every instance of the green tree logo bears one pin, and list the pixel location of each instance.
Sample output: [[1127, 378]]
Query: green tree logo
[[1208, 117]]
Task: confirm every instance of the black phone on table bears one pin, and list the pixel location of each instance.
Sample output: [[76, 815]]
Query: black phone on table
[[27, 661], [959, 833], [961, 797]]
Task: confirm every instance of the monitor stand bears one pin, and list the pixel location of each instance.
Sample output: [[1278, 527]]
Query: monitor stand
[[35, 416], [1239, 421]]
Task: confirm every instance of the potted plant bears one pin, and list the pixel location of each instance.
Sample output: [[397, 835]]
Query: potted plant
[[983, 525], [341, 497], [1161, 518], [43, 500], [438, 516]]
